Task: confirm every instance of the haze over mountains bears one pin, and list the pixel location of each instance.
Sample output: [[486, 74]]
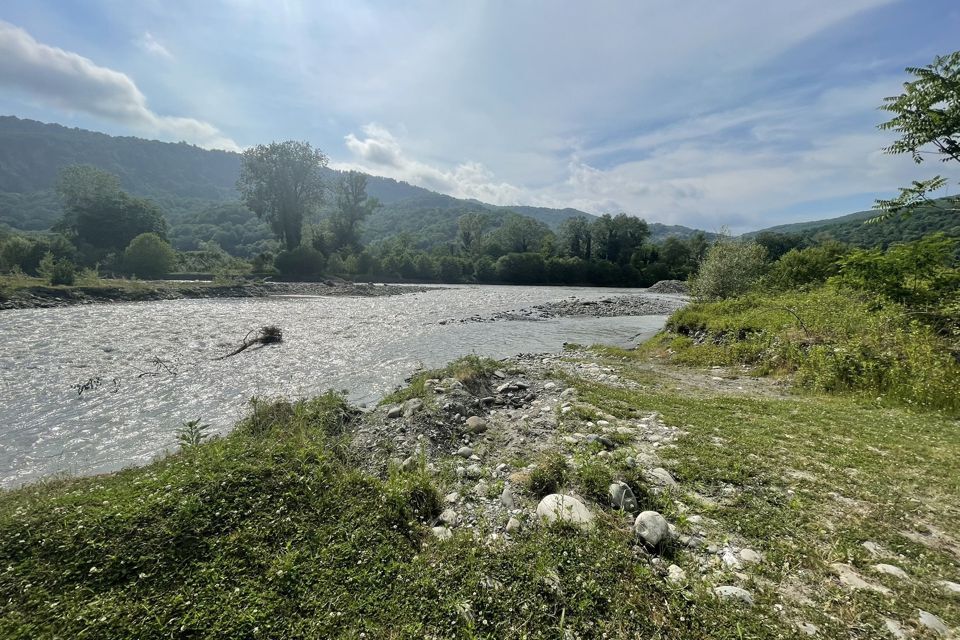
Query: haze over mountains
[[195, 188]]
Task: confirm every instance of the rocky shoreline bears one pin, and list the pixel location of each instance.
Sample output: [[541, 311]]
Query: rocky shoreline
[[51, 297], [630, 305], [491, 435]]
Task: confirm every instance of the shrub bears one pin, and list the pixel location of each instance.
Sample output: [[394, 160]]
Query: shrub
[[149, 256], [594, 478], [730, 268], [302, 262], [801, 267], [548, 476], [57, 272]]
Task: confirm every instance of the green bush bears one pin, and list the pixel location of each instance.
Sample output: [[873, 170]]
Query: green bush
[[548, 476], [57, 272], [802, 267], [593, 479], [302, 262], [730, 268], [149, 256]]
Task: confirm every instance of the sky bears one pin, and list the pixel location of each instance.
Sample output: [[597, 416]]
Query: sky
[[739, 114]]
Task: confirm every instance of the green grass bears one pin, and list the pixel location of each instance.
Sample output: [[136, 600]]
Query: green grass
[[272, 532], [472, 371], [814, 477], [832, 341]]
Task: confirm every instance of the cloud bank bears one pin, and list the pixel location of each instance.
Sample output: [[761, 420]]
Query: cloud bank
[[72, 82]]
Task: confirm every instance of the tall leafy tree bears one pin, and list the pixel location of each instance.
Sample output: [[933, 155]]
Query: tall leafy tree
[[575, 237], [99, 214], [281, 182], [353, 206], [927, 118], [520, 234], [470, 229]]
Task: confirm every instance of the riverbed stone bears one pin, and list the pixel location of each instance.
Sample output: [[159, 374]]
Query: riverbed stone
[[849, 578], [935, 624], [464, 452], [661, 477], [513, 525], [441, 533], [622, 497], [891, 570], [749, 556], [507, 499], [411, 406], [950, 587], [730, 592], [394, 412], [557, 507], [652, 528], [476, 424]]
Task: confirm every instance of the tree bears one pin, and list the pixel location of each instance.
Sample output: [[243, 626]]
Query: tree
[[575, 237], [281, 183], [149, 256], [520, 234], [470, 228], [730, 268], [927, 118], [353, 206], [99, 214]]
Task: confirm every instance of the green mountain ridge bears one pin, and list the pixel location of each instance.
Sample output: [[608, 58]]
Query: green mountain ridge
[[195, 187], [853, 228]]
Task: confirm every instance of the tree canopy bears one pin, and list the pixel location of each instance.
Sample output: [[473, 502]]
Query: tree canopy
[[927, 118], [281, 182], [353, 206], [99, 214]]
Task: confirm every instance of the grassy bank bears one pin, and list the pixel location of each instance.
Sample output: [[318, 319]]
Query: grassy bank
[[274, 531], [829, 339], [270, 532]]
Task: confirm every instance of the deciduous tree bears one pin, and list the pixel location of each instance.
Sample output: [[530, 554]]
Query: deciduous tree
[[281, 182]]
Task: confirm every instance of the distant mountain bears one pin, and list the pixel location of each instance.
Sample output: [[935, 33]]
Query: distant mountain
[[193, 185], [852, 228]]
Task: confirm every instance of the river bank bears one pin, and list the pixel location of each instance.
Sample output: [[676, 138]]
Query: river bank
[[34, 296], [696, 503]]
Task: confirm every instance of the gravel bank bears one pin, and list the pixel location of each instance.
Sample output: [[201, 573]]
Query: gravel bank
[[48, 297]]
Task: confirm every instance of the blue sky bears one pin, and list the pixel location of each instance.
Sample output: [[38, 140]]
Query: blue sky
[[742, 113]]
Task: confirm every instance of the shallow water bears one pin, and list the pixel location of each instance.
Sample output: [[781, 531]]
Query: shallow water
[[365, 346]]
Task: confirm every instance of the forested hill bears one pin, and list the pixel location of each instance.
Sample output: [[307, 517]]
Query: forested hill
[[195, 189], [182, 178], [851, 229]]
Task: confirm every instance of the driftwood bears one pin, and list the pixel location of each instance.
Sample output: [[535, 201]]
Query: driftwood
[[264, 336]]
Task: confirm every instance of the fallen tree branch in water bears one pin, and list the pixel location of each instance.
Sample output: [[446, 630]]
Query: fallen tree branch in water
[[266, 335]]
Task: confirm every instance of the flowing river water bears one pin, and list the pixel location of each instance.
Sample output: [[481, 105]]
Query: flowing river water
[[151, 366]]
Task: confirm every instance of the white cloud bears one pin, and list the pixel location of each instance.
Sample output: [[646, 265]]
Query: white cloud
[[151, 45], [379, 152], [72, 82]]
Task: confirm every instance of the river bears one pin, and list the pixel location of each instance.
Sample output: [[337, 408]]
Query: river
[[150, 366]]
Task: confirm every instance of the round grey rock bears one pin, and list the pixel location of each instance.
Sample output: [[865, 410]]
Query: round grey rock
[[476, 424], [652, 528], [560, 508], [730, 592]]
